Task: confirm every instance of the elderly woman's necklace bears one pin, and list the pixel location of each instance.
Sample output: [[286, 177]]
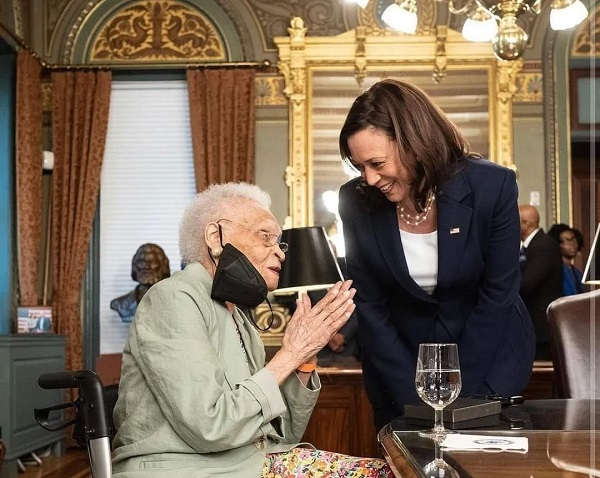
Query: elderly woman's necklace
[[417, 219]]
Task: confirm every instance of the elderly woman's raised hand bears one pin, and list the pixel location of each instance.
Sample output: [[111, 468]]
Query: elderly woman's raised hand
[[312, 327]]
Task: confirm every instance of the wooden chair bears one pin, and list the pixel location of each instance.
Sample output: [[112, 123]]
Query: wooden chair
[[575, 330]]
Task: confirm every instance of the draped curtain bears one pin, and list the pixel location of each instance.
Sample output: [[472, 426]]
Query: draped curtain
[[28, 175], [80, 106], [222, 115]]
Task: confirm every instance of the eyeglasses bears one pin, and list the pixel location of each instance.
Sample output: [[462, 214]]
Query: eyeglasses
[[567, 239], [268, 238]]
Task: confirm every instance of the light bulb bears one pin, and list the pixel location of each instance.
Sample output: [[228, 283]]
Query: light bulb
[[480, 27], [565, 14], [402, 17], [330, 198], [509, 44]]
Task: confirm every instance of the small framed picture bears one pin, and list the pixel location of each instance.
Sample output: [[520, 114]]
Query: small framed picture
[[34, 320]]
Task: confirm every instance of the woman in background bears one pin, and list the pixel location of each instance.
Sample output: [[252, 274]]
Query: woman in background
[[432, 244], [571, 243]]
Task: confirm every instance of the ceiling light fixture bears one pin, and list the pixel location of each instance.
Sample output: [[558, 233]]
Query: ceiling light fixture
[[494, 20]]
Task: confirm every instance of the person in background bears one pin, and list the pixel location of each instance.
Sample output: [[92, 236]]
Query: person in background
[[149, 265], [541, 276], [196, 398], [432, 245], [570, 246]]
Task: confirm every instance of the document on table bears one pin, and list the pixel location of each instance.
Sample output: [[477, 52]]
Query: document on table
[[460, 441]]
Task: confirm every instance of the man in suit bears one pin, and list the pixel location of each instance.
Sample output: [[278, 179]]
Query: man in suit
[[541, 276]]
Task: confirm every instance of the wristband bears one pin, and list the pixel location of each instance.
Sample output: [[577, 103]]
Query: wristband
[[307, 367]]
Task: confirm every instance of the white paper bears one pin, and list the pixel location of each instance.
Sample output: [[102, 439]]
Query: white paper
[[459, 441]]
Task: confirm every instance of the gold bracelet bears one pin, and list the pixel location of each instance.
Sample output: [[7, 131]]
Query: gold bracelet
[[307, 367]]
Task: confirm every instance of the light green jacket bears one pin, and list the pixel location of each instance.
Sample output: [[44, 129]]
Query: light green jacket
[[189, 403]]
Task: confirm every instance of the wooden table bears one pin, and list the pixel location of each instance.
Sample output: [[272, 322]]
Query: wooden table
[[563, 435]]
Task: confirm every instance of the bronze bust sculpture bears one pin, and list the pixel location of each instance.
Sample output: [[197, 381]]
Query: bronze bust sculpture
[[148, 266]]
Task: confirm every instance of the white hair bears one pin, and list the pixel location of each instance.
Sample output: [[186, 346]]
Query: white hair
[[212, 204]]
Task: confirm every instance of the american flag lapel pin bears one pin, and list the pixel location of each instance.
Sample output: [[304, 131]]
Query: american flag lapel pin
[[455, 230]]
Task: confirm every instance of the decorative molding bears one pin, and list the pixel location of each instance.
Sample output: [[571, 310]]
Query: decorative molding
[[551, 139], [292, 66], [240, 27], [325, 17], [53, 9], [281, 317], [21, 18], [530, 87], [70, 42], [506, 89], [590, 28], [441, 61], [360, 62], [157, 31], [269, 91]]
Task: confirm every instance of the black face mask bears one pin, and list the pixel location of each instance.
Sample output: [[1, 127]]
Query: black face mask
[[237, 280]]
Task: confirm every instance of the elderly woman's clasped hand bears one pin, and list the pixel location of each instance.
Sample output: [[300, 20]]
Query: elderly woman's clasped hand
[[311, 328]]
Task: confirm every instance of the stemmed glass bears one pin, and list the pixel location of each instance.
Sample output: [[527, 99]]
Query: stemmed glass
[[438, 381], [438, 468]]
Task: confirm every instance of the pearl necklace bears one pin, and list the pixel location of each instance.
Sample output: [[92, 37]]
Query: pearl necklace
[[419, 218]]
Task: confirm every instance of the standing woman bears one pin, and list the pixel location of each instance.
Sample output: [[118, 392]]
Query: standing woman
[[432, 243]]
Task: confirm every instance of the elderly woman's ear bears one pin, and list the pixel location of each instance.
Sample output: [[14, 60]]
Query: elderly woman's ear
[[213, 239]]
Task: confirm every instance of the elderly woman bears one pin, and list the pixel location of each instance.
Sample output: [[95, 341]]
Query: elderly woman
[[196, 398]]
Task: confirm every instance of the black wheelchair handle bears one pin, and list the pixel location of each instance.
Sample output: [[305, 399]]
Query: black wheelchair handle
[[58, 380], [91, 392]]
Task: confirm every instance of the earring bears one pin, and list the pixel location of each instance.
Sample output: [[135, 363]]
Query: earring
[[215, 252]]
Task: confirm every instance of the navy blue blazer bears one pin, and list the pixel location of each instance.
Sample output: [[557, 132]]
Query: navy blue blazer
[[475, 304]]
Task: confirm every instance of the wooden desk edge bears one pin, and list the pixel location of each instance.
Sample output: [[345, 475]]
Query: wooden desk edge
[[397, 456]]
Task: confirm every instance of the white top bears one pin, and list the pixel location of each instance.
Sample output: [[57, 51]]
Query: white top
[[525, 243], [421, 253]]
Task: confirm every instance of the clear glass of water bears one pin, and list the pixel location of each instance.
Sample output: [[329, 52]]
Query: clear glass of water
[[438, 381]]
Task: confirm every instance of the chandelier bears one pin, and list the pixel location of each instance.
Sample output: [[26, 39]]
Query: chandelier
[[489, 20]]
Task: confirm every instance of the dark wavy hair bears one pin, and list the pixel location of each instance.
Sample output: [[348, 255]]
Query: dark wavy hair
[[429, 144], [557, 229]]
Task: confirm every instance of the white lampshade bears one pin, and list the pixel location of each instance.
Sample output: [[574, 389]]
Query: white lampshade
[[401, 17], [566, 15], [480, 27]]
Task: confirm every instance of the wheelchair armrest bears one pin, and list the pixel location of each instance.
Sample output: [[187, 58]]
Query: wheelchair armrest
[[42, 414]]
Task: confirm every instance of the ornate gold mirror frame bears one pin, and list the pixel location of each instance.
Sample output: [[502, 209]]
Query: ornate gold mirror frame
[[366, 50]]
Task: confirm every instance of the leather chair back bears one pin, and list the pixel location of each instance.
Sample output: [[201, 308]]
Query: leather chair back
[[575, 329]]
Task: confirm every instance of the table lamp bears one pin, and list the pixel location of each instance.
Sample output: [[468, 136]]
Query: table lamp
[[591, 274], [309, 264]]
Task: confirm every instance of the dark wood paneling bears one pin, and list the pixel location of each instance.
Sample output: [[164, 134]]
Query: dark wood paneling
[[342, 420], [541, 383], [585, 169]]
